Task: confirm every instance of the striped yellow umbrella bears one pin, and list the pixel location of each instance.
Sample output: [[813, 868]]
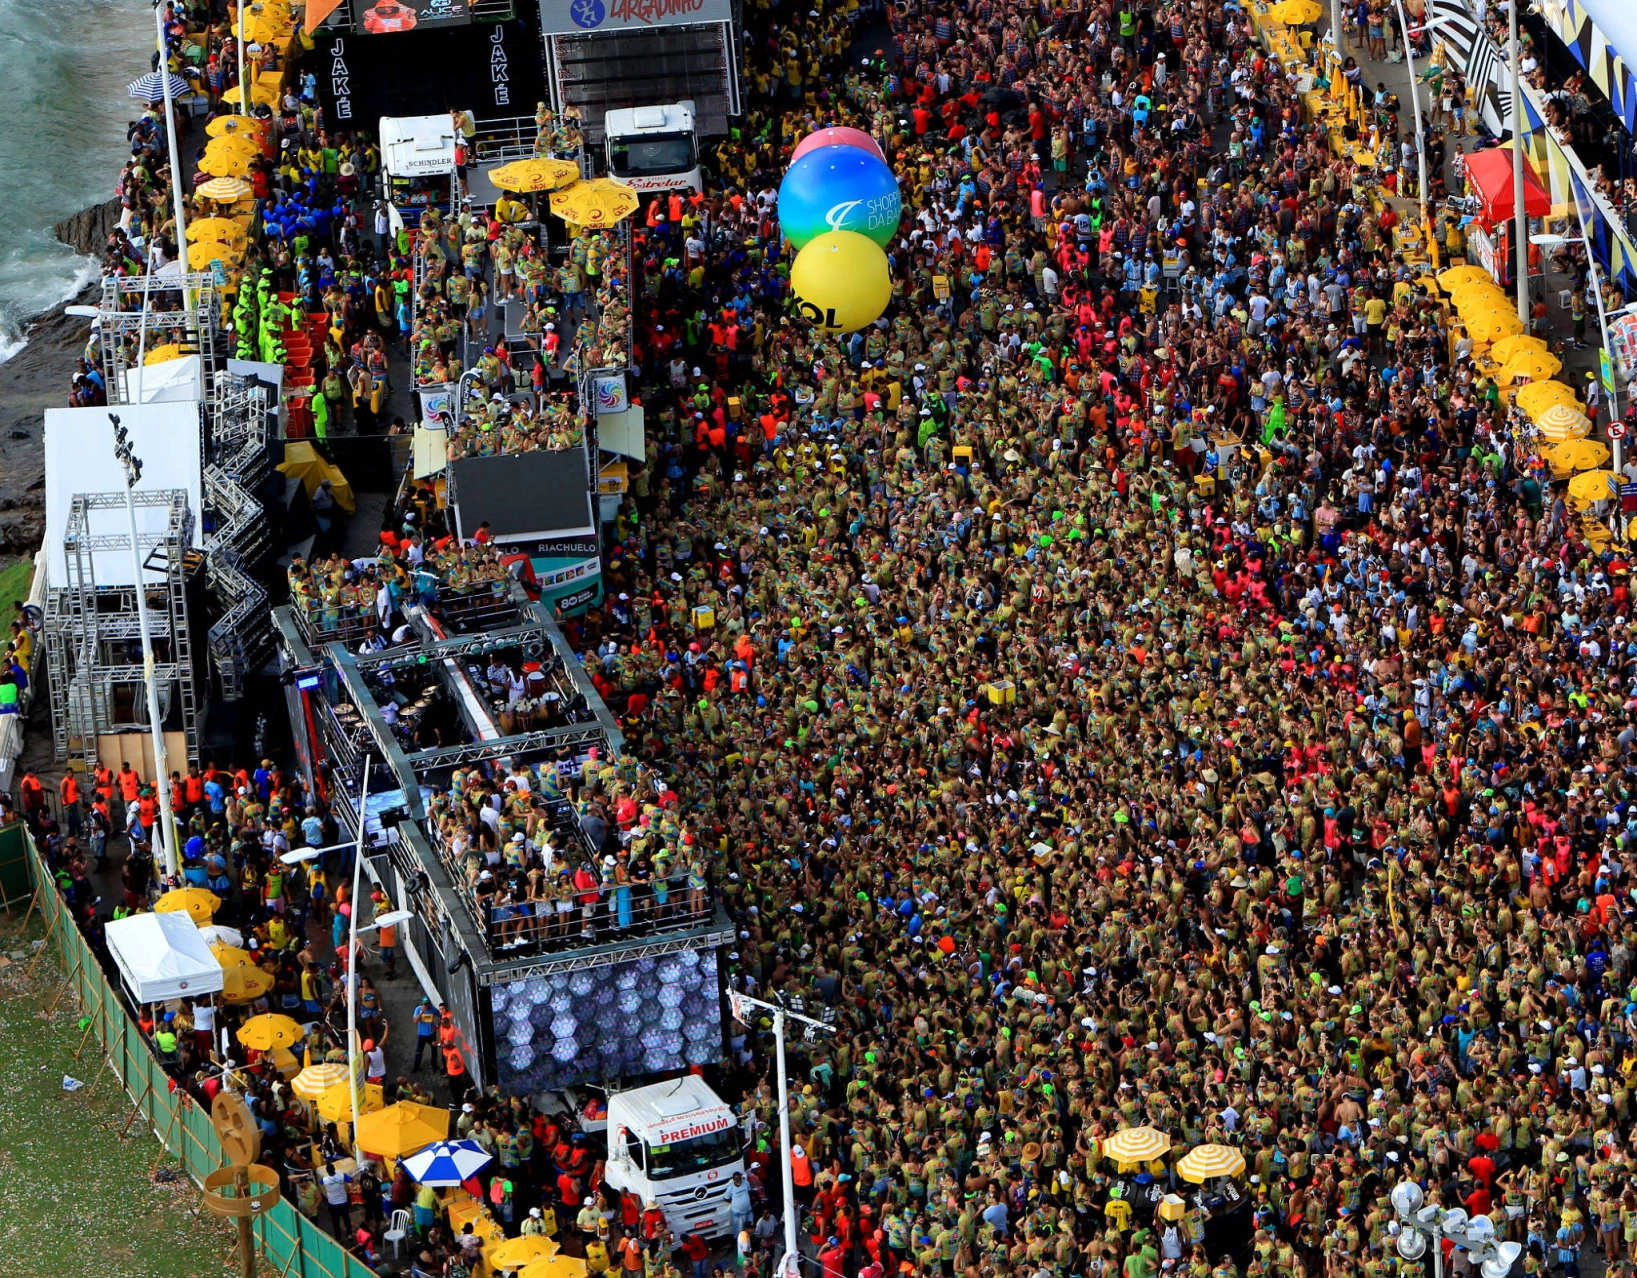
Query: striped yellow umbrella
[[197, 903], [1594, 485], [1136, 1145], [317, 1079], [539, 174], [1507, 347], [1561, 419], [269, 1031], [1537, 366], [1454, 277], [1535, 398], [1204, 1162], [599, 203], [1576, 454], [224, 190]]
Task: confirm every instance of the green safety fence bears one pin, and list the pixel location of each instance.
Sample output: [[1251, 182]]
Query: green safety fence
[[294, 1246]]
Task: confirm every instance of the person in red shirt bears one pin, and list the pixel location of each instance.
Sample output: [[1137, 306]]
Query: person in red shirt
[[698, 1251]]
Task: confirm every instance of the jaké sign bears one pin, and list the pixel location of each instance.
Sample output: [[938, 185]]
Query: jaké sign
[[487, 69], [570, 17]]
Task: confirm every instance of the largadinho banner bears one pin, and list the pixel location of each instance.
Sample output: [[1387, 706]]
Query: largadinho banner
[[573, 17]]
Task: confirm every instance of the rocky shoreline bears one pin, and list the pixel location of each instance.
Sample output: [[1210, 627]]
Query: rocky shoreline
[[37, 378]]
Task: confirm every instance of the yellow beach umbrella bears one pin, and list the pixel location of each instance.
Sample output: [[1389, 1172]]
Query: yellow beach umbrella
[[1204, 1162], [1537, 397], [1576, 454], [1136, 1145], [401, 1129], [335, 1105], [225, 164], [224, 229], [270, 1031], [1594, 485], [164, 354], [202, 255], [513, 1253], [1475, 298], [1493, 324], [598, 203], [554, 1267], [265, 92], [244, 984], [1296, 13], [1454, 277], [225, 190], [1537, 366], [539, 174], [234, 126], [247, 142], [1507, 347], [232, 955], [317, 1079], [198, 903]]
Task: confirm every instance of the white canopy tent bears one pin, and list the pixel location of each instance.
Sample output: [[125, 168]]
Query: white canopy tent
[[163, 956]]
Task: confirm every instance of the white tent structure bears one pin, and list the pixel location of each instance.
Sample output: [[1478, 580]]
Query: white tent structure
[[162, 957]]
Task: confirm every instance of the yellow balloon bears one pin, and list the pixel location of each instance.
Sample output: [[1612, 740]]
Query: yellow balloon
[[841, 281]]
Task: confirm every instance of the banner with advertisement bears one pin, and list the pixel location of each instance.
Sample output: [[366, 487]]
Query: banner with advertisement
[[1622, 337], [570, 17], [608, 394], [395, 17]]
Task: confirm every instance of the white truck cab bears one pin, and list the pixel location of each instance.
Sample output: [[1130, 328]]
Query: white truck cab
[[418, 160], [654, 148], [678, 1144]]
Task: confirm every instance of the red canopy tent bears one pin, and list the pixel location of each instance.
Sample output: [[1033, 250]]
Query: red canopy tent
[[1489, 174]]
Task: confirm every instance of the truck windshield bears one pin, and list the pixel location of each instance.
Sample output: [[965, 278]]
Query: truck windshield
[[693, 1155], [651, 155]]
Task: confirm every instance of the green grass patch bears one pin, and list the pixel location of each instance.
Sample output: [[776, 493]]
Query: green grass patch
[[74, 1197], [14, 584]]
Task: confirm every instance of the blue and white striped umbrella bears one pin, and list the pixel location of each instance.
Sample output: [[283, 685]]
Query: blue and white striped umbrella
[[449, 1162], [150, 88]]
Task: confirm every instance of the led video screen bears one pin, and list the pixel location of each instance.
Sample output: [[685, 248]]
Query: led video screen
[[642, 1016]]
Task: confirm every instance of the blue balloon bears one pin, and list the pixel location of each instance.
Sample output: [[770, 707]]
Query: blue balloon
[[839, 188]]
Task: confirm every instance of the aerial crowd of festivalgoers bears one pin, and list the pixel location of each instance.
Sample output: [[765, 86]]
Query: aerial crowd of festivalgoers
[[1154, 680]]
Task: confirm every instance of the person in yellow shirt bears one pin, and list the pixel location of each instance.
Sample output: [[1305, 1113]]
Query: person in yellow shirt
[[1375, 315]]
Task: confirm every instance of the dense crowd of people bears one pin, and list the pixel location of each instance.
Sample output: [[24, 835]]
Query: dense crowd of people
[[1169, 692], [1149, 680]]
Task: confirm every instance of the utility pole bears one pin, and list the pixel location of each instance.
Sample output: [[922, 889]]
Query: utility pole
[[743, 1005], [1520, 232]]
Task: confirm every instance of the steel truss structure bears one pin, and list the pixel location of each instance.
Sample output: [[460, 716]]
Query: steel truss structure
[[143, 313], [93, 636]]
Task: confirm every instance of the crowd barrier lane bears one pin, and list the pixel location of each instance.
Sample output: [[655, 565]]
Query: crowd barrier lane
[[295, 1246]]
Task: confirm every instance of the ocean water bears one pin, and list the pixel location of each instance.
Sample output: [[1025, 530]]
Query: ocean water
[[64, 65]]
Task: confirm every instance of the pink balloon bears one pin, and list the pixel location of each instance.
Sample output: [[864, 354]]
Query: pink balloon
[[836, 135]]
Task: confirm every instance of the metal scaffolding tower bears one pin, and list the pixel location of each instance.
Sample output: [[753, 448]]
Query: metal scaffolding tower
[[94, 641], [157, 304], [236, 545]]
